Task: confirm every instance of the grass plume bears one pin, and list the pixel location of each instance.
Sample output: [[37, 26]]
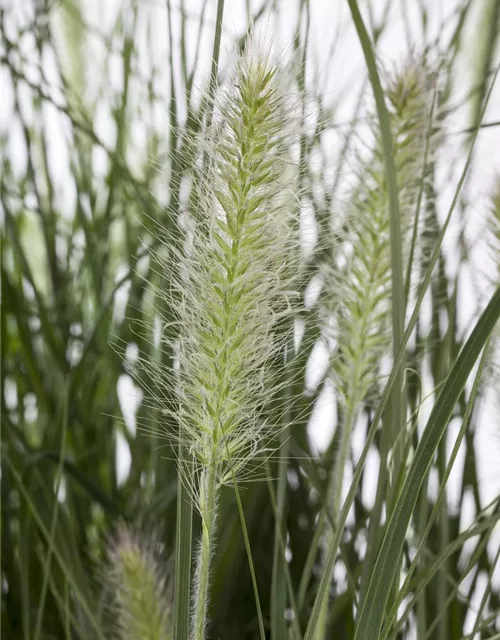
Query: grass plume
[[234, 283], [360, 282], [138, 587]]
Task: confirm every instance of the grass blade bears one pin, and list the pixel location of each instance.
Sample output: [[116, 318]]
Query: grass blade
[[442, 491], [183, 545], [59, 477], [249, 556], [278, 586], [288, 580], [373, 610]]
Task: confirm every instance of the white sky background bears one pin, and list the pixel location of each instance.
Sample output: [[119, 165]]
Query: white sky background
[[342, 77]]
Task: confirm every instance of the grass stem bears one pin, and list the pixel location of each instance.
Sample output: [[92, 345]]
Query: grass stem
[[207, 506]]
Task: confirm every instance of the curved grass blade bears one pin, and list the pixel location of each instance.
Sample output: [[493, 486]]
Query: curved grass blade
[[487, 591], [384, 573], [392, 618], [483, 528], [249, 556]]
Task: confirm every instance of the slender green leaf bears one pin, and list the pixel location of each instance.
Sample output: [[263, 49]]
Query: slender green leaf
[[249, 555], [373, 609]]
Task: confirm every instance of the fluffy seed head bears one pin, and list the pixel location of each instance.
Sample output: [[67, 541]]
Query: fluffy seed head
[[138, 586], [233, 284], [359, 284]]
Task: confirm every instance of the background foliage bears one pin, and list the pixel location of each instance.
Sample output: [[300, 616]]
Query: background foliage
[[98, 112]]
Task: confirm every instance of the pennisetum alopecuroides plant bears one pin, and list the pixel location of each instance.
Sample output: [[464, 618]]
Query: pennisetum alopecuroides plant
[[234, 289]]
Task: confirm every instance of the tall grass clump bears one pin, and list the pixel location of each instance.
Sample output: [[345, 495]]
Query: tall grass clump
[[138, 588], [234, 287]]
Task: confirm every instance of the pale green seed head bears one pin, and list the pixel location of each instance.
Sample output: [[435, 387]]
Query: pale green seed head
[[359, 284], [139, 589], [234, 284]]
